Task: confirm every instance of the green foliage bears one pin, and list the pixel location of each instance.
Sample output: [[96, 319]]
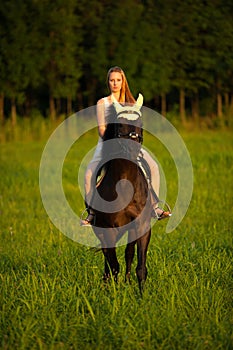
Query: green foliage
[[63, 50], [52, 295], [62, 32], [14, 49]]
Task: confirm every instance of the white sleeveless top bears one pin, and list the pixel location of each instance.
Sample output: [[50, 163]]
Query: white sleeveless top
[[107, 109], [98, 151]]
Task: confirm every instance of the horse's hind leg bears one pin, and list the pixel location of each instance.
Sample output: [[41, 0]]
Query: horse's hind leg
[[141, 270], [129, 255], [111, 263]]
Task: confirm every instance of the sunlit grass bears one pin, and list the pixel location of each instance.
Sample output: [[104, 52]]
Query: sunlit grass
[[52, 294]]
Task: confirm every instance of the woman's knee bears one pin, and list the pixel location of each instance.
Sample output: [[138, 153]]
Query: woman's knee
[[88, 173]]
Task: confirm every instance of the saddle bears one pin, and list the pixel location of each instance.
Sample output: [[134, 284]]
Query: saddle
[[142, 163]]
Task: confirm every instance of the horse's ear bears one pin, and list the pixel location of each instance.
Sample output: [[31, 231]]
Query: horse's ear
[[139, 101], [116, 104]]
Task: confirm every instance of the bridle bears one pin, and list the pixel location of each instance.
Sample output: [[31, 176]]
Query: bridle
[[130, 135], [129, 112]]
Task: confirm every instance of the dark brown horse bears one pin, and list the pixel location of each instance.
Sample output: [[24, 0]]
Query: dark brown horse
[[122, 200]]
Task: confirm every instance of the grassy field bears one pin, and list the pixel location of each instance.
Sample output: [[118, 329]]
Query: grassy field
[[52, 294]]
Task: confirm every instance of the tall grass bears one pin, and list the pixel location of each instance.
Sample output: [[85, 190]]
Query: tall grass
[[52, 294]]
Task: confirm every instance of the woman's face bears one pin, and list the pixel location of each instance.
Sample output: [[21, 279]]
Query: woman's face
[[115, 82]]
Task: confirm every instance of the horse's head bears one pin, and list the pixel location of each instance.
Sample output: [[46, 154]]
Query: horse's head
[[129, 112], [129, 122], [127, 125]]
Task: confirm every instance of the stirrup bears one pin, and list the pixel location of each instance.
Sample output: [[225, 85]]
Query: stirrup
[[164, 214]]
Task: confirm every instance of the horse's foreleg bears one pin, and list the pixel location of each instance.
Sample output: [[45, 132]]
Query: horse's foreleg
[[141, 270], [111, 263], [129, 255]]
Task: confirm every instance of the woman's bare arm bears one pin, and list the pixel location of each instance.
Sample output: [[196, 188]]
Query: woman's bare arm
[[101, 117]]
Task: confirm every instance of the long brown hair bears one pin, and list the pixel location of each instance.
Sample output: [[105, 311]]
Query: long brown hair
[[125, 94]]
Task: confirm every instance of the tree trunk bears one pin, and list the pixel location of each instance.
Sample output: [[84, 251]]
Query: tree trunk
[[231, 103], [91, 88], [163, 105], [227, 102], [79, 102], [2, 117], [230, 110], [219, 105], [195, 109], [182, 106], [27, 107], [157, 102], [52, 109], [13, 112], [58, 106], [69, 106]]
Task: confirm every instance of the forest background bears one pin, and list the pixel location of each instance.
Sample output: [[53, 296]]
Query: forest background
[[54, 57]]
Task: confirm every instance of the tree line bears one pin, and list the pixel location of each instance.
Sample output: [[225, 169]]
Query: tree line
[[54, 55]]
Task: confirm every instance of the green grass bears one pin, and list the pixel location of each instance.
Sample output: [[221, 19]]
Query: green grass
[[52, 295]]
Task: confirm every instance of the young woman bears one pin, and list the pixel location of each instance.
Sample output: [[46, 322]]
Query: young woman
[[119, 88]]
